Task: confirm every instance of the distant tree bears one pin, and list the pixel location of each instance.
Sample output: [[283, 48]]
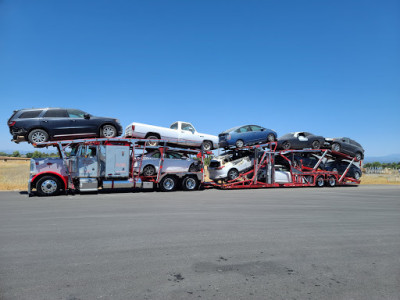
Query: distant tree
[[376, 164], [29, 155], [3, 153], [16, 154]]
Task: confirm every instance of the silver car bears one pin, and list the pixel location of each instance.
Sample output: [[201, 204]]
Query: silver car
[[229, 165], [149, 163]]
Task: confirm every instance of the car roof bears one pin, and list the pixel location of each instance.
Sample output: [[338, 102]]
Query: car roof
[[33, 108]]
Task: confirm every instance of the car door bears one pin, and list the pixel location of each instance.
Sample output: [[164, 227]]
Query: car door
[[81, 125], [56, 122], [257, 134], [302, 140], [187, 135], [345, 143], [174, 162], [243, 133]]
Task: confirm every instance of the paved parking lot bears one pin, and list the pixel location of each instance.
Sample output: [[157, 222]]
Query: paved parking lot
[[294, 243]]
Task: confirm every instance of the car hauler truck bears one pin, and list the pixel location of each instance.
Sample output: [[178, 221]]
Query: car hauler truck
[[93, 164]]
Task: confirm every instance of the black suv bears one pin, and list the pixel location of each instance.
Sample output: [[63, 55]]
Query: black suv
[[44, 124]]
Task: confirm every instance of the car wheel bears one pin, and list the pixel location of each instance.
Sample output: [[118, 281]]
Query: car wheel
[[331, 181], [168, 184], [336, 147], [357, 175], [233, 174], [152, 143], [194, 168], [358, 156], [286, 145], [239, 143], [108, 131], [190, 183], [149, 170], [38, 136], [316, 144], [320, 181], [48, 186], [271, 137], [206, 146]]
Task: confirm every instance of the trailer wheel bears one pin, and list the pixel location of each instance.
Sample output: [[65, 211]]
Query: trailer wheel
[[239, 143], [190, 183], [331, 181], [233, 174], [286, 145], [316, 144], [149, 170], [168, 184], [320, 181], [48, 186], [336, 147]]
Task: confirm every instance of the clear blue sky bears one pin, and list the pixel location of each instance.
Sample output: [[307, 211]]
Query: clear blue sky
[[328, 67]]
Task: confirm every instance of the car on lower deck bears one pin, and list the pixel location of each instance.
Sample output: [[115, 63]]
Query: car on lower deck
[[246, 135], [148, 164], [340, 166], [44, 124], [229, 165]]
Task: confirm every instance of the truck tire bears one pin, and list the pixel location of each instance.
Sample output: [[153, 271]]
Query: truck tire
[[152, 143], [38, 136], [168, 184], [206, 146], [48, 186], [331, 182], [190, 183], [320, 181]]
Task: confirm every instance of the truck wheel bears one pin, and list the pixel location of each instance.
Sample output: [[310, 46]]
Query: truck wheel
[[206, 146], [168, 184], [320, 181], [108, 131], [38, 136], [331, 181], [152, 143], [189, 183], [149, 170], [48, 186]]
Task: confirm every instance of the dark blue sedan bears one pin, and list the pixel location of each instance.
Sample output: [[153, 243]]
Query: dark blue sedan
[[246, 135]]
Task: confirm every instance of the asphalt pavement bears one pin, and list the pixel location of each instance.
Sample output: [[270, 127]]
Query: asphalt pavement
[[288, 243]]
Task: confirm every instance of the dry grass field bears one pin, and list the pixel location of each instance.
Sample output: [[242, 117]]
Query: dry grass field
[[14, 175]]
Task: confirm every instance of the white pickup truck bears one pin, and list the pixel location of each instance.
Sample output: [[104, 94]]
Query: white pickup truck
[[180, 133]]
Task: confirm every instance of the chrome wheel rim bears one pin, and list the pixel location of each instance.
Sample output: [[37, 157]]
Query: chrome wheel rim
[[108, 131], [49, 186], [358, 156], [357, 175], [320, 181], [315, 144], [206, 146], [336, 147], [168, 184], [271, 138], [286, 145], [190, 183], [148, 171], [233, 175], [239, 143], [332, 181], [38, 137]]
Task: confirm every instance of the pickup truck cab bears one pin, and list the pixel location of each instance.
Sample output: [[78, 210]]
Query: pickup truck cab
[[179, 133]]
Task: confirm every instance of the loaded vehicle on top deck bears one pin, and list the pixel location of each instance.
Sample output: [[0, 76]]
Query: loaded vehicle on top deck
[[179, 133]]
